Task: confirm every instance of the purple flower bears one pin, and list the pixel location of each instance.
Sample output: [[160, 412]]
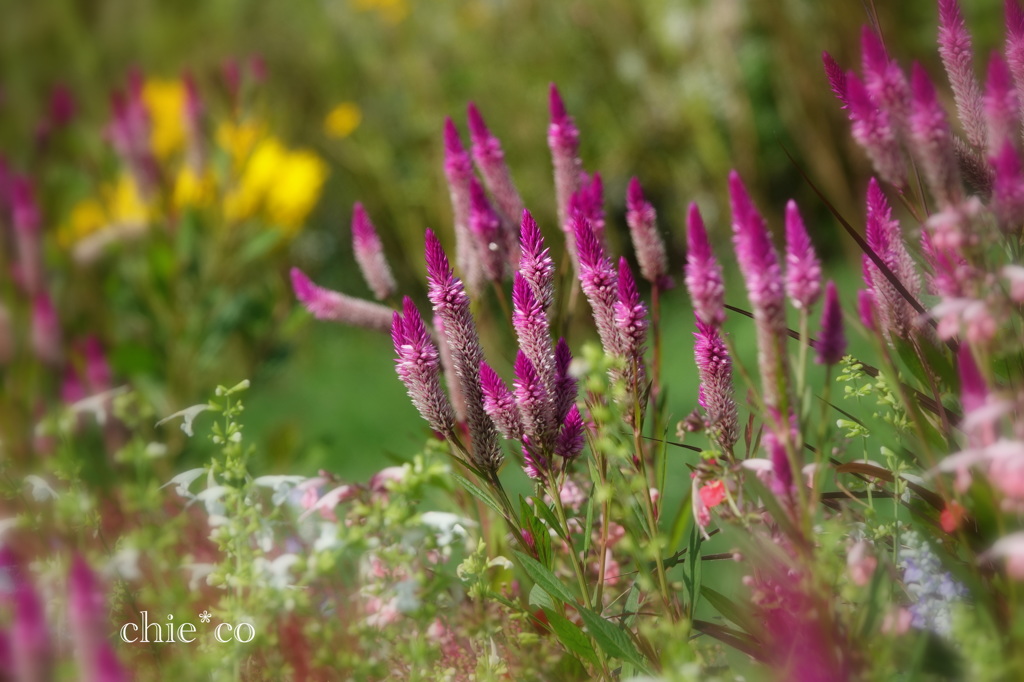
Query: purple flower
[[490, 159], [703, 273], [531, 326], [803, 270], [564, 141], [129, 133], [30, 639], [458, 170], [485, 226], [97, 369], [647, 242], [588, 201], [534, 404], [26, 219], [932, 141], [873, 130], [631, 321], [536, 265], [535, 463], [884, 80], [884, 237], [958, 60], [565, 383], [326, 304], [45, 329], [831, 344], [87, 619], [973, 389], [782, 484], [369, 253], [500, 403], [1015, 45], [448, 367], [866, 309], [418, 366], [570, 440], [599, 282], [1001, 106], [1008, 187], [716, 388], [836, 79], [451, 304]]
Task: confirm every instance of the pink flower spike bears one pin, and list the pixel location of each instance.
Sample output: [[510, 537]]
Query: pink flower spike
[[563, 141], [1001, 106], [369, 253], [458, 170], [565, 383], [86, 615], [485, 226], [836, 78], [866, 309], [599, 282], [45, 330], [30, 639], [647, 242], [335, 306], [1015, 45], [932, 141], [704, 278], [715, 394], [570, 441], [530, 322], [1010, 549], [490, 159], [97, 370], [831, 344], [500, 404], [973, 390], [418, 367], [26, 219], [958, 60], [534, 404], [535, 264], [631, 321], [873, 130], [803, 270], [1008, 187], [884, 80]]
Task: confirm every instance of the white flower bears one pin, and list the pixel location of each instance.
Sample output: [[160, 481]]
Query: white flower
[[198, 572], [41, 490], [446, 526], [282, 485], [211, 499], [183, 480], [188, 415], [124, 564], [277, 573], [328, 539]]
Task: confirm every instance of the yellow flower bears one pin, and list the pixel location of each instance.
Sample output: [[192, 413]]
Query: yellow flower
[[165, 101], [239, 139], [87, 217], [296, 190], [343, 119], [392, 11], [193, 191], [125, 206]]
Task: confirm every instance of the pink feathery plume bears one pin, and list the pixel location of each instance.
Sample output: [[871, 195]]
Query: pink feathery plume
[[565, 383], [97, 370], [26, 218], [46, 343], [369, 253], [974, 391], [500, 404], [631, 322], [490, 160], [485, 226], [831, 343], [1015, 45], [884, 237], [564, 142], [87, 624], [873, 130], [759, 264], [866, 309], [418, 365], [599, 282], [1002, 111], [783, 479], [958, 60], [534, 404], [647, 241], [448, 368], [535, 264], [530, 322], [458, 170], [803, 269], [31, 651], [715, 394], [704, 278], [129, 133], [932, 141], [335, 306], [570, 441], [884, 79], [1008, 188], [588, 200], [451, 304], [836, 78], [536, 463]]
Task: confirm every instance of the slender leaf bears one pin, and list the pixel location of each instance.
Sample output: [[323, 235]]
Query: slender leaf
[[543, 576], [730, 609], [539, 597], [613, 640], [571, 637], [479, 493]]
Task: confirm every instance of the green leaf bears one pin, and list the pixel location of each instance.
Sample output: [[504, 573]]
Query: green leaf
[[632, 604], [545, 511], [543, 576], [538, 597], [589, 524], [541, 536], [740, 641], [612, 639], [571, 637], [729, 609], [479, 493]]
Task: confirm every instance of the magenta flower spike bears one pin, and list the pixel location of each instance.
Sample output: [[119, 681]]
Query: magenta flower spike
[[532, 331], [485, 226], [107, 668], [97, 370], [418, 366], [1008, 187], [782, 483], [565, 383], [836, 79], [500, 404], [458, 170], [958, 60], [704, 278], [46, 342], [129, 133], [564, 142], [599, 282], [873, 130], [31, 651], [369, 253], [647, 242], [87, 610], [759, 264], [631, 321], [451, 304], [973, 389], [932, 141], [884, 80], [62, 106], [866, 309], [535, 463], [536, 265], [1002, 110], [716, 388], [534, 404], [448, 368], [335, 306], [490, 160], [26, 219], [803, 269], [884, 237], [831, 343], [589, 200], [1015, 45], [570, 441]]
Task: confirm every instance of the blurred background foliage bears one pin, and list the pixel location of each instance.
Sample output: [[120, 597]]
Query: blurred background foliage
[[676, 92]]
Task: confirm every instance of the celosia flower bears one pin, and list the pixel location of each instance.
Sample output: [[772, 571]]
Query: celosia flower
[[30, 639], [129, 133], [884, 237], [534, 403], [535, 264], [775, 441], [369, 253], [326, 304], [192, 115], [26, 218], [564, 141], [873, 130], [565, 383], [831, 344], [448, 366], [703, 273], [458, 169], [500, 403], [866, 309], [631, 322], [1008, 187], [535, 463], [932, 141], [1015, 45], [588, 201], [97, 370], [884, 80], [490, 159], [958, 60], [87, 623], [531, 326], [451, 304], [647, 242], [836, 78], [418, 366], [569, 443], [1001, 106], [485, 226], [1010, 548], [803, 270], [45, 329], [715, 394], [599, 282]]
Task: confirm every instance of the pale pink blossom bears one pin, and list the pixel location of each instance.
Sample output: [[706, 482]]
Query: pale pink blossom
[[861, 563], [1011, 549]]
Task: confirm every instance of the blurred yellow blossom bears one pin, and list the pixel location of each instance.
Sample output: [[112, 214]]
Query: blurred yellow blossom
[[390, 10], [238, 139], [193, 190], [165, 101], [343, 119], [118, 212], [87, 217]]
